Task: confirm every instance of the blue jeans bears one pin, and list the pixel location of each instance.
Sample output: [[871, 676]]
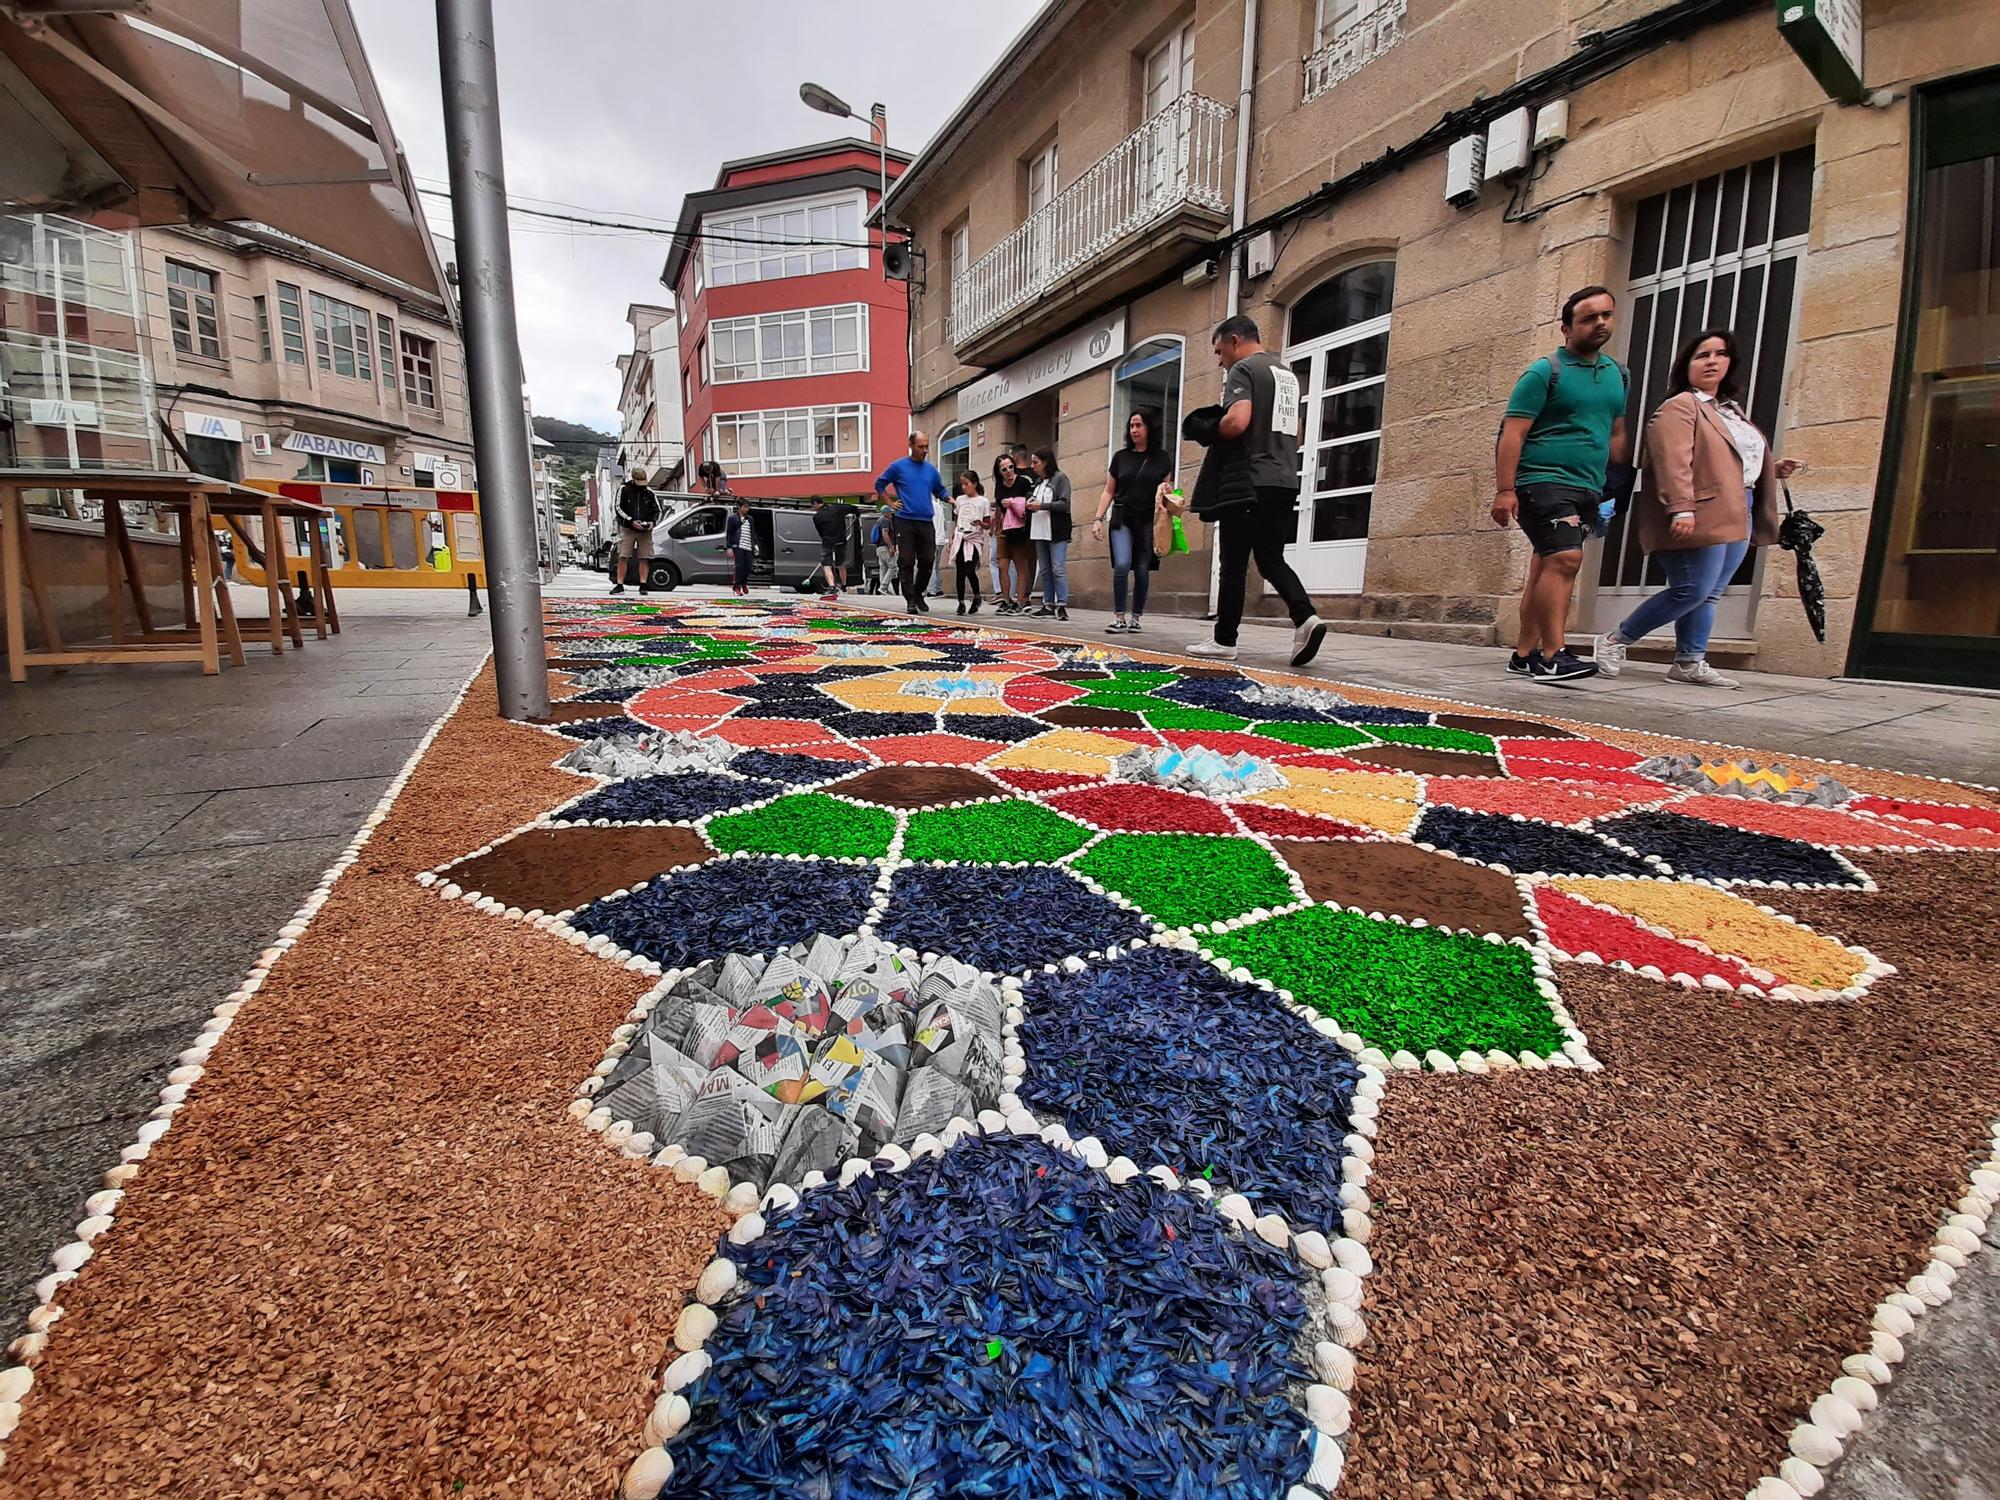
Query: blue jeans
[[1053, 560], [1131, 551], [1696, 577]]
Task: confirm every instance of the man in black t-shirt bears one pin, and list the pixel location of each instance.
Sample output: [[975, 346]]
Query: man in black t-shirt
[[1260, 409], [835, 524]]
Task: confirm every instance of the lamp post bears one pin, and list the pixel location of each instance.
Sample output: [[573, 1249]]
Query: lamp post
[[830, 103]]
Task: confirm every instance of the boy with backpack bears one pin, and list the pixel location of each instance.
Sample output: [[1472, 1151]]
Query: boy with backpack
[[1564, 427]]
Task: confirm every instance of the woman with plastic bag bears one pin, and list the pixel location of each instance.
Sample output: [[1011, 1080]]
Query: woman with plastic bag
[[1133, 491]]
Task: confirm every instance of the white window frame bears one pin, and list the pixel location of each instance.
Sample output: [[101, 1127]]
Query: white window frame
[[292, 324], [194, 311], [330, 315], [801, 248], [1169, 435], [387, 348], [1333, 19], [769, 333], [417, 368], [753, 433], [1177, 52], [1050, 164]]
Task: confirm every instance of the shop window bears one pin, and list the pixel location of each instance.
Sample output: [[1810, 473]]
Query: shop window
[[1149, 380], [1339, 351], [954, 455]]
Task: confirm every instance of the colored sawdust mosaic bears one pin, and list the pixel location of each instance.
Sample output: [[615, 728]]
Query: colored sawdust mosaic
[[1042, 1097]]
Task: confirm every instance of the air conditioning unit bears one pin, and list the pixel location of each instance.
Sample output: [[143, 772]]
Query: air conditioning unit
[[260, 444], [1507, 148], [1462, 166]]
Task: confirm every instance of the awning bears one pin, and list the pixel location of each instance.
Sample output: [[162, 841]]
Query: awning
[[250, 113]]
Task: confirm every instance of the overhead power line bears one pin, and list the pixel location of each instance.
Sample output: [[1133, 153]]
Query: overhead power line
[[516, 207]]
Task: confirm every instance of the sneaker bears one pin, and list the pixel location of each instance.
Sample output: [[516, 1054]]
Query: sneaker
[[829, 598], [1522, 666], [1134, 626], [1062, 612], [1306, 639], [1609, 654], [1564, 666], [1213, 649], [1699, 674], [1117, 627], [1042, 612], [618, 588]]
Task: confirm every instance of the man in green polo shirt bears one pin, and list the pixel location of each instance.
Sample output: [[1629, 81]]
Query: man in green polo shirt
[[1565, 423]]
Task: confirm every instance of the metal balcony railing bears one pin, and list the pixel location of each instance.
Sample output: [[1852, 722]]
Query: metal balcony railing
[[1175, 159], [1376, 26]]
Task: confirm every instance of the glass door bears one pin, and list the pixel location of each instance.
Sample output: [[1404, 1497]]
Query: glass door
[[1930, 600]]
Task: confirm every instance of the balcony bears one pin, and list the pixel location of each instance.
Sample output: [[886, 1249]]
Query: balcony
[[1158, 190], [1366, 31]]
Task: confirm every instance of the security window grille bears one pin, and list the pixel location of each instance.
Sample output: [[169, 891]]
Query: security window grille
[[291, 323], [340, 337], [1723, 252], [191, 310], [385, 348], [419, 371]]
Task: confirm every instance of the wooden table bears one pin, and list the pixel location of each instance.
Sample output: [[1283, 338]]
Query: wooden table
[[240, 503]]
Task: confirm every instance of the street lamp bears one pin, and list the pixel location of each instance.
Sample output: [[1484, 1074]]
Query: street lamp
[[830, 103]]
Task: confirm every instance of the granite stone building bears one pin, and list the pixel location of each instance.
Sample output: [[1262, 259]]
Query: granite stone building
[[1401, 192]]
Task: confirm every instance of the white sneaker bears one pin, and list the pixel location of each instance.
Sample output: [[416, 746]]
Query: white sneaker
[[1609, 654], [1306, 639], [1699, 674], [1213, 649]]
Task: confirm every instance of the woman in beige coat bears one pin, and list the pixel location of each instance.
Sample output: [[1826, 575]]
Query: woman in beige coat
[[1711, 494]]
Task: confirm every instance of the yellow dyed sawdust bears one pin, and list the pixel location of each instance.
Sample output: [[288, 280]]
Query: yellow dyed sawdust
[[1729, 925]]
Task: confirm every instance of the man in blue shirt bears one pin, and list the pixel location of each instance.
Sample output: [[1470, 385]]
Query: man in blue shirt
[[909, 485]]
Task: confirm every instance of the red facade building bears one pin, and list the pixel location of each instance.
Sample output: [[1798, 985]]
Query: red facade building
[[794, 350]]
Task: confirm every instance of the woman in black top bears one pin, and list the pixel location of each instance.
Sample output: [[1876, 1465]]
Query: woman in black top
[[1140, 474], [1016, 552]]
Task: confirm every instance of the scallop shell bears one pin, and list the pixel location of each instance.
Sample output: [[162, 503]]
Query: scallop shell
[[1327, 1460], [1236, 1209], [14, 1383], [669, 1415], [1313, 1249], [1837, 1415], [1328, 1409], [1273, 1230], [1121, 1170], [1772, 1489], [1857, 1393], [1893, 1321], [648, 1475], [1801, 1476], [691, 1330], [741, 1198], [781, 1197], [1334, 1365], [690, 1168], [714, 1182], [1341, 1285], [1814, 1444], [686, 1370], [1886, 1347], [1866, 1367], [1354, 1256], [746, 1229], [717, 1281]]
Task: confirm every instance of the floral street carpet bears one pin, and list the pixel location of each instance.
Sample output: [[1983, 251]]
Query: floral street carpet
[[1029, 1006]]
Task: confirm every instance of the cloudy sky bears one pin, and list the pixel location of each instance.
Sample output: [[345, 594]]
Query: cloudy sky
[[624, 106]]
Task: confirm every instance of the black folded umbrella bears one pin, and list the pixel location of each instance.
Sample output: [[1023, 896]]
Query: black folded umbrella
[[1796, 534]]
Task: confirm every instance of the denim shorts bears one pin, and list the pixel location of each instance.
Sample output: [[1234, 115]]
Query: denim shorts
[[1556, 517]]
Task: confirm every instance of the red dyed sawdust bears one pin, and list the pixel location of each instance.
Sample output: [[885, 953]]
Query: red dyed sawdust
[[1858, 778], [719, 680], [949, 749], [673, 700], [1283, 823], [1818, 825], [1950, 836], [375, 1256], [1929, 812], [1577, 927], [1546, 802], [1041, 781], [1634, 1282], [1583, 777], [1027, 695], [1576, 752], [800, 734], [1142, 809]]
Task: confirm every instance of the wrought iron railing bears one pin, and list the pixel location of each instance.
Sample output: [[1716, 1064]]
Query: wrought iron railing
[[1377, 28], [1175, 159]]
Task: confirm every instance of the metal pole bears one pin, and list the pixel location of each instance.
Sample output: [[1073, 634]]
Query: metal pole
[[493, 353]]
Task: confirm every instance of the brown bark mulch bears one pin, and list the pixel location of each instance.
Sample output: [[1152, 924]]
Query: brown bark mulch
[[1405, 881], [1634, 1282], [375, 1256], [558, 869], [914, 786], [1422, 761]]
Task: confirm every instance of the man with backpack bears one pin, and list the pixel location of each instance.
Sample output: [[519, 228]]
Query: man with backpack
[[834, 522], [638, 514], [1564, 427]]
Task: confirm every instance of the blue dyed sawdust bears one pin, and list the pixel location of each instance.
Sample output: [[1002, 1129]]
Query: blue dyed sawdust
[[1368, 713], [670, 799], [1001, 728], [793, 770], [733, 906], [1165, 1059], [1525, 848], [1714, 851], [1225, 695], [597, 729], [1002, 919], [867, 725], [1000, 1322]]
